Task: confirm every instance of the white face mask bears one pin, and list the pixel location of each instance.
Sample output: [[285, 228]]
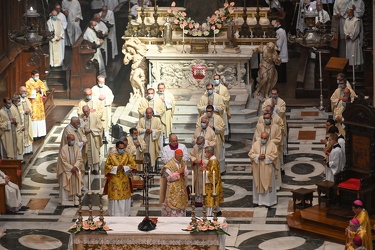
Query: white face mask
[[150, 96]]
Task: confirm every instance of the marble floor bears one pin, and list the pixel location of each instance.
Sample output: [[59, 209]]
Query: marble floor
[[45, 224]]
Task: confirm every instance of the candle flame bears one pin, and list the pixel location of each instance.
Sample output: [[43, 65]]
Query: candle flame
[[31, 8]]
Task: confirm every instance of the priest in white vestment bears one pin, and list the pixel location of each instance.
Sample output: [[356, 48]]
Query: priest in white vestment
[[61, 16], [93, 129], [26, 110], [151, 129], [352, 29], [105, 95], [167, 152], [96, 106], [169, 105], [343, 86], [102, 29], [108, 17], [72, 10], [111, 4], [206, 131], [90, 35], [337, 116], [334, 161], [211, 98], [151, 102], [12, 194], [218, 126], [323, 15], [340, 8], [70, 171], [56, 44], [262, 156]]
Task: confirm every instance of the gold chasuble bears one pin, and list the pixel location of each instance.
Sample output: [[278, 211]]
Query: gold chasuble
[[214, 165], [176, 195], [119, 184], [36, 98], [363, 218]]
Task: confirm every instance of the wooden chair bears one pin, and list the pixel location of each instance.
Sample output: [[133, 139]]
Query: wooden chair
[[357, 180]]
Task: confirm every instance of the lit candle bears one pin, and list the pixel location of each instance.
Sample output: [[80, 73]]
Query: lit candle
[[89, 182], [214, 35], [183, 33], [100, 181], [79, 180], [192, 181], [214, 192], [204, 182]]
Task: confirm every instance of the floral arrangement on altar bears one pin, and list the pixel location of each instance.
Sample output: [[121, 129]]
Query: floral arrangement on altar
[[88, 226], [206, 227], [212, 25]]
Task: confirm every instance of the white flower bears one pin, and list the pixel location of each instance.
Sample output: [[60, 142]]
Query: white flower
[[195, 33], [206, 33], [196, 25], [199, 33], [204, 25]]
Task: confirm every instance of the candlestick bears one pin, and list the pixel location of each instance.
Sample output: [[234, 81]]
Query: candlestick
[[79, 179], [214, 192], [100, 181], [89, 181], [214, 36], [192, 181], [129, 6], [183, 33], [204, 182]]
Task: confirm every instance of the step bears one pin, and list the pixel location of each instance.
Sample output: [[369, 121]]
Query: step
[[317, 217], [61, 94]]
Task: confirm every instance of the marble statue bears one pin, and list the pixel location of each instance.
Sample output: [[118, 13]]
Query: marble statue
[[267, 74], [134, 51]]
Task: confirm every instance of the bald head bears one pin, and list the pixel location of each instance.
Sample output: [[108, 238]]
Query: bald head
[[264, 135], [173, 140], [86, 110]]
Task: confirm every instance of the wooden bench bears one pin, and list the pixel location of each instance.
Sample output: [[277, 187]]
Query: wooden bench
[[12, 168]]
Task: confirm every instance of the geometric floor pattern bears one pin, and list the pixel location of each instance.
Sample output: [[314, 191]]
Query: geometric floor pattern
[[45, 224]]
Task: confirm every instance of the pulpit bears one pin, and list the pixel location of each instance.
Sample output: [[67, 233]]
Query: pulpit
[[357, 180]]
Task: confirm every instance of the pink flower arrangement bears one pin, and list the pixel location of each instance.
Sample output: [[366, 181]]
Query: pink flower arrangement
[[96, 226], [212, 25], [208, 226]]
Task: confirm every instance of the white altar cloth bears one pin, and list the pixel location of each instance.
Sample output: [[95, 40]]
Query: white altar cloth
[[168, 231]]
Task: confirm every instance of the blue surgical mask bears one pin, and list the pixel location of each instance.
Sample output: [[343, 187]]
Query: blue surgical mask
[[217, 82], [274, 96], [342, 86], [121, 150], [210, 92], [200, 146], [8, 106], [88, 97], [338, 81], [101, 85], [267, 121], [135, 138], [203, 125], [263, 141], [36, 78], [344, 104], [23, 95], [54, 18], [71, 143]]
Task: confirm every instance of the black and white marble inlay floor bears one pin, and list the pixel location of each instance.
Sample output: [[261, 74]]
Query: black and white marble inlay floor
[[250, 228]]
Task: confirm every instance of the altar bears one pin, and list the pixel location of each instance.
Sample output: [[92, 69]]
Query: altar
[[168, 234]]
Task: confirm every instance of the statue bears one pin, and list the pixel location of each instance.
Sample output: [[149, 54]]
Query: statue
[[231, 35], [134, 50], [267, 74]]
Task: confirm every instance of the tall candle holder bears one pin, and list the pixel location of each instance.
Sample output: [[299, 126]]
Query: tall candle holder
[[204, 208], [193, 218], [101, 211], [80, 219], [214, 51], [142, 29], [90, 219], [183, 47], [214, 195]]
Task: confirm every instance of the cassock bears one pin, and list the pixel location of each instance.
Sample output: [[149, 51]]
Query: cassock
[[335, 162], [12, 194], [213, 166], [107, 103], [96, 107], [154, 139], [339, 93], [167, 117], [156, 104], [110, 18], [338, 114], [74, 11], [94, 138], [197, 153], [80, 139], [27, 123], [167, 153], [176, 198], [101, 27], [70, 184], [91, 36], [56, 47], [208, 134], [352, 28], [264, 189], [215, 99], [38, 116], [118, 181], [10, 132], [218, 126], [364, 219]]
